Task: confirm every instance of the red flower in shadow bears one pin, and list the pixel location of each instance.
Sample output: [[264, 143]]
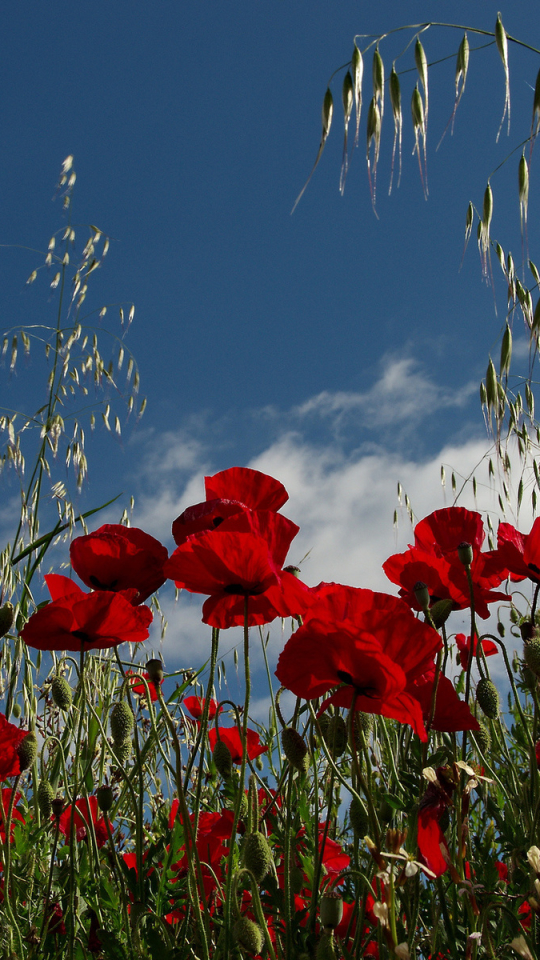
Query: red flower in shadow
[[75, 620], [451, 713], [431, 840], [228, 493], [118, 558], [10, 739], [368, 645], [86, 812], [232, 737], [140, 688], [243, 557], [434, 560], [16, 814]]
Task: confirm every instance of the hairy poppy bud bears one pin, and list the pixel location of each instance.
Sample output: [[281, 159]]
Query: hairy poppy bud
[[249, 935], [295, 749], [331, 910], [154, 669], [122, 750], [531, 655], [326, 948], [105, 797], [122, 721], [334, 731], [223, 759], [58, 807], [421, 593], [358, 817], [27, 751], [487, 698], [482, 738], [440, 612], [465, 553], [257, 855], [61, 693], [6, 618], [45, 797]]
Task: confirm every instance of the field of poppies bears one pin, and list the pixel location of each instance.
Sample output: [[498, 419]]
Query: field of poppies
[[389, 807]]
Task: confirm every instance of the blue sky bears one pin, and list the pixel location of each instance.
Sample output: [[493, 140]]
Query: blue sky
[[340, 351]]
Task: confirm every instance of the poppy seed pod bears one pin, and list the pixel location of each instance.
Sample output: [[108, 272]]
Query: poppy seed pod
[[295, 749], [6, 618], [465, 553], [256, 855], [61, 693], [331, 910], [27, 751], [249, 935], [528, 630], [45, 797], [122, 721], [487, 698], [154, 668], [223, 759], [531, 655], [421, 593], [58, 807]]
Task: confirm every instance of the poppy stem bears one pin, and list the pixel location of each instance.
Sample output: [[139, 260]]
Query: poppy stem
[[201, 739]]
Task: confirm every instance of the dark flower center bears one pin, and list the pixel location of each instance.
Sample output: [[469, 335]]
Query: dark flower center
[[345, 677], [217, 520], [81, 635], [237, 590], [97, 585]]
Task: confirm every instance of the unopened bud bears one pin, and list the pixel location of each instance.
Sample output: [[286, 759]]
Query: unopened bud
[[45, 797], [27, 751], [249, 935], [487, 698], [61, 693], [295, 749], [257, 855], [223, 759], [122, 721], [531, 655], [6, 618]]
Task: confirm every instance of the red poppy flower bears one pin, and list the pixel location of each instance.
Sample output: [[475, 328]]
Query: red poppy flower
[[525, 915], [451, 713], [464, 647], [243, 557], [195, 706], [434, 560], [227, 493], [117, 558], [75, 620], [16, 814], [520, 552], [140, 689], [502, 870], [86, 812], [232, 737], [10, 738], [370, 646]]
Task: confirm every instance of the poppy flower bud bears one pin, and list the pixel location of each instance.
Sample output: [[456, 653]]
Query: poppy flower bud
[[295, 749], [122, 750], [465, 553], [249, 935], [358, 817], [58, 807], [326, 948], [334, 731], [482, 738], [331, 910], [514, 615], [440, 612], [487, 698], [421, 593], [257, 855], [154, 669], [531, 655], [27, 751], [16, 710], [6, 618], [105, 797], [61, 693], [223, 759], [45, 797], [122, 721]]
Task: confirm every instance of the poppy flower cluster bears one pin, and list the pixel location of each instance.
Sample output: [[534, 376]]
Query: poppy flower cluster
[[434, 559], [233, 548]]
